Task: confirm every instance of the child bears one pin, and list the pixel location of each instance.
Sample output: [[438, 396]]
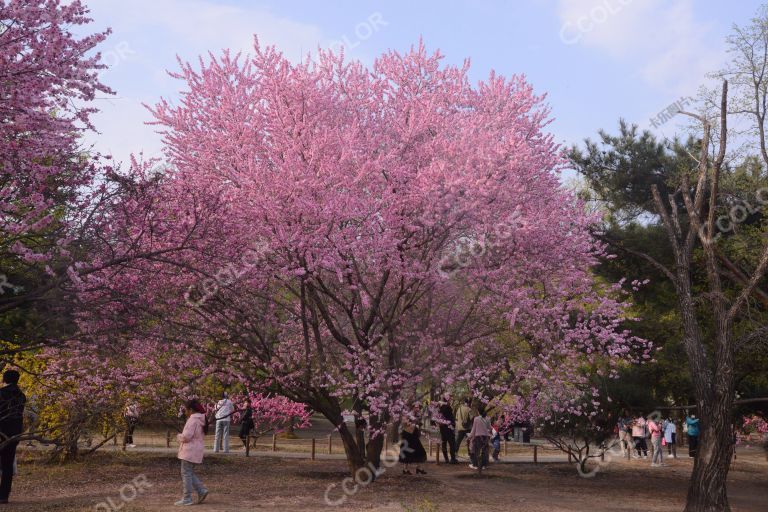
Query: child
[[495, 438], [191, 446]]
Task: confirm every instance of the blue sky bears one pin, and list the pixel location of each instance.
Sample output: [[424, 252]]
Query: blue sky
[[597, 60]]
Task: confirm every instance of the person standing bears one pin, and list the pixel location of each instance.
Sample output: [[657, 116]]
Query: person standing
[[638, 436], [495, 438], [624, 426], [656, 434], [464, 423], [447, 425], [224, 410], [693, 434], [670, 437], [131, 416], [246, 425], [12, 402], [479, 436], [411, 449], [191, 448]]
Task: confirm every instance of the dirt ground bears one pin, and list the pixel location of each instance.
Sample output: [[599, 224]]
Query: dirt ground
[[151, 482]]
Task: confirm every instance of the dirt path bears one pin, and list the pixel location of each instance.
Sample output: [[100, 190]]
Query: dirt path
[[272, 484]]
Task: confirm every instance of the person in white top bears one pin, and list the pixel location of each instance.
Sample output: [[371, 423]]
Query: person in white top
[[224, 410]]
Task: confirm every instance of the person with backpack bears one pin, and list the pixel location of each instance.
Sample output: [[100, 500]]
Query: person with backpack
[[464, 421], [224, 410], [191, 447]]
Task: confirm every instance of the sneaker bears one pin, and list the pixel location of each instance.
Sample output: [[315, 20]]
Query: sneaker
[[131, 445], [183, 503], [472, 466], [202, 497]]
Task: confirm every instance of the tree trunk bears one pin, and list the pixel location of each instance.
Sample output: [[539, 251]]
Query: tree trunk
[[355, 457], [707, 489]]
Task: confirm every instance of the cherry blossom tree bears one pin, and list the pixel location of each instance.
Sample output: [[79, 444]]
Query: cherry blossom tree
[[353, 236], [53, 192]]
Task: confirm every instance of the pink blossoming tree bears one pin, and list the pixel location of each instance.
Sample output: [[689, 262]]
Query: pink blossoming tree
[[355, 236]]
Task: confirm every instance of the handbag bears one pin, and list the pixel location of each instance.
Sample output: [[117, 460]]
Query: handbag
[[663, 441]]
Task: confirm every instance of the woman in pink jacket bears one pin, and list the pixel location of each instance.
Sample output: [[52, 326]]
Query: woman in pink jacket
[[191, 446]]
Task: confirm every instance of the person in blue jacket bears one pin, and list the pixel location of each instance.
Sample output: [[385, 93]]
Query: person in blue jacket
[[693, 434]]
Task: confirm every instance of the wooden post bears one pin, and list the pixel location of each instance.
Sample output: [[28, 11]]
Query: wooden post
[[535, 453], [505, 447], [602, 455], [248, 445], [569, 457], [330, 444], [313, 448], [274, 442], [168, 439]]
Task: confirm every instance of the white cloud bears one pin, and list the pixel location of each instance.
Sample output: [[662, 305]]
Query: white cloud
[[672, 50]]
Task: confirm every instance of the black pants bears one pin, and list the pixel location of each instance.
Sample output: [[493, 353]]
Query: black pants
[[461, 435], [130, 426], [448, 441], [641, 445], [7, 456], [693, 445], [479, 456]]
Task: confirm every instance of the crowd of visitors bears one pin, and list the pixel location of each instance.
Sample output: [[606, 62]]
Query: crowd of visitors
[[634, 433], [467, 422]]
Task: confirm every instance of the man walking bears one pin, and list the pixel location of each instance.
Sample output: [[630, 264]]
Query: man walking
[[12, 402], [224, 410], [448, 430]]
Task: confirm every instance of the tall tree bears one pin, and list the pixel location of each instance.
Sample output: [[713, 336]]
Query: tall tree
[[715, 267], [353, 235]]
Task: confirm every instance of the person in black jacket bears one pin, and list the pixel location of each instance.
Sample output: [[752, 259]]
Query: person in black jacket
[[246, 425], [12, 402], [447, 430]]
